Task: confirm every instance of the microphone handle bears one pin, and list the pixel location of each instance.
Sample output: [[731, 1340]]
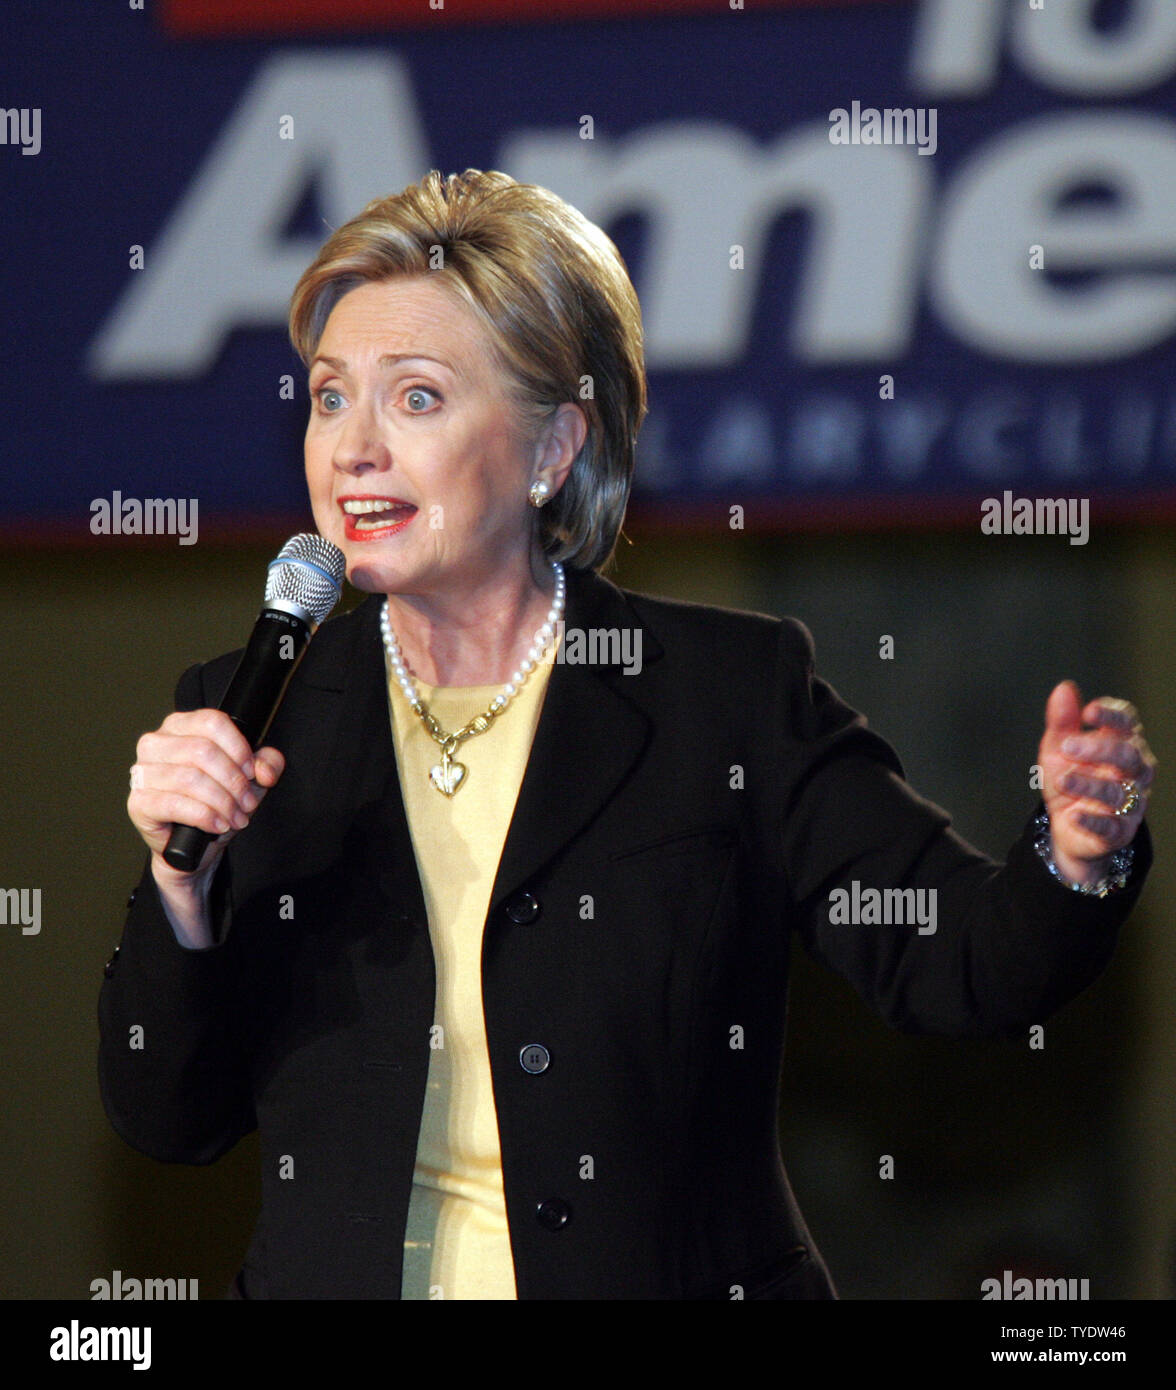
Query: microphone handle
[[275, 648]]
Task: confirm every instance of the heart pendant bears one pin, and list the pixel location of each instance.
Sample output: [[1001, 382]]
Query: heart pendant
[[447, 776]]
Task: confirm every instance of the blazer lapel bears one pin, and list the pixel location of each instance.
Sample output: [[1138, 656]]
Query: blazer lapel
[[347, 806], [590, 734], [363, 771]]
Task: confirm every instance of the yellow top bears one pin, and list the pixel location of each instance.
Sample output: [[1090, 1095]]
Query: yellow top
[[457, 1243]]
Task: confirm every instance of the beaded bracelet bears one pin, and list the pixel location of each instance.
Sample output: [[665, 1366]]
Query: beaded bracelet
[[1116, 878]]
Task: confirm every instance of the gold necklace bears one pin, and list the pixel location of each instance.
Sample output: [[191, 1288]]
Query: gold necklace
[[449, 774]]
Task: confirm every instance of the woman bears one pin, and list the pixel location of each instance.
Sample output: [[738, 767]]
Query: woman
[[499, 968]]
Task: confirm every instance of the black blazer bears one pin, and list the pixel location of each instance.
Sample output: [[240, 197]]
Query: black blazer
[[675, 831]]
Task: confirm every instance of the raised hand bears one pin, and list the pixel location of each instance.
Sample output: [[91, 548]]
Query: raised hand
[[1096, 779]]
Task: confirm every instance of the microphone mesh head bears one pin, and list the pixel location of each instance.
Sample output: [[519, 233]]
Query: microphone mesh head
[[309, 572]]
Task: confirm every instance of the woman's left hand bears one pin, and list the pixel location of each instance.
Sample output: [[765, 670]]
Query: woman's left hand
[[1084, 771]]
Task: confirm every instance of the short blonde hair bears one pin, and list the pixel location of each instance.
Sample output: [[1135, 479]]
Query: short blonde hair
[[560, 309]]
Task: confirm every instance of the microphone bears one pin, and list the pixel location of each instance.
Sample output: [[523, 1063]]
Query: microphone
[[303, 585]]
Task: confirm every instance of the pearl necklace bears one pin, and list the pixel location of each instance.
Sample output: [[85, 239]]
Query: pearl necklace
[[449, 774]]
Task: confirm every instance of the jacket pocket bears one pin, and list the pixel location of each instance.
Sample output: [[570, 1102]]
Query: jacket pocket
[[796, 1273], [718, 835]]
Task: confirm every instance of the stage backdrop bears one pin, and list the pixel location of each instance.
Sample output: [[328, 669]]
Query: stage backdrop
[[895, 258]]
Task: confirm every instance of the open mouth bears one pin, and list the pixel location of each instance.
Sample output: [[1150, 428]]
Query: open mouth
[[370, 516]]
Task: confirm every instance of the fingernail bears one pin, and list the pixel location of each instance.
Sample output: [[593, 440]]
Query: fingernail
[[249, 799], [1071, 745], [248, 769], [221, 825]]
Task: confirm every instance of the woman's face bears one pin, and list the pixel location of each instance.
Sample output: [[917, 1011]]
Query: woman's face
[[415, 460]]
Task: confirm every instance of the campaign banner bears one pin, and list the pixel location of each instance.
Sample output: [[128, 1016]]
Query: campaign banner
[[898, 261]]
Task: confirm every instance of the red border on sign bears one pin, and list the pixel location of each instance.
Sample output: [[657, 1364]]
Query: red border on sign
[[190, 19], [775, 516]]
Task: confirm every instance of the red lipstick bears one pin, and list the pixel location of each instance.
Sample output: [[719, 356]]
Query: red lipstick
[[383, 518]]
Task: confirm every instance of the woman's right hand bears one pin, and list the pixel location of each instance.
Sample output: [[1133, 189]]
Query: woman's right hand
[[196, 769]]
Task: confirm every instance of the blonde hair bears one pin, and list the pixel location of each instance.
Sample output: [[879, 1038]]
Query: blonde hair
[[561, 312]]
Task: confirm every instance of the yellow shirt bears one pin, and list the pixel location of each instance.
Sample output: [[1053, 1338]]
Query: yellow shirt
[[457, 1243]]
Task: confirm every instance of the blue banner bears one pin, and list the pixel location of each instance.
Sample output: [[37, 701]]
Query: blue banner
[[895, 259]]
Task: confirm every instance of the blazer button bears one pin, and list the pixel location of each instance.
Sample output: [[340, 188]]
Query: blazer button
[[131, 899], [522, 908], [534, 1058], [554, 1214], [108, 968]]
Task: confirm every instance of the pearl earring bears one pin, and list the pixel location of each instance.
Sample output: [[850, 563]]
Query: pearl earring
[[538, 493]]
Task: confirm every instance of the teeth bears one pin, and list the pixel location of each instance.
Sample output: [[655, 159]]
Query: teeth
[[361, 506]]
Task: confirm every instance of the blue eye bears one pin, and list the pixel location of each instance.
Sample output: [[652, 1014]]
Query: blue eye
[[322, 399], [417, 395]]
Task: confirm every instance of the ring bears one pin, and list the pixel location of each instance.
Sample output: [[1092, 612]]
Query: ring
[[1131, 798], [136, 777]]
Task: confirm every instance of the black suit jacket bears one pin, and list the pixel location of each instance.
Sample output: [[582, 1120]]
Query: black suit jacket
[[675, 832]]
